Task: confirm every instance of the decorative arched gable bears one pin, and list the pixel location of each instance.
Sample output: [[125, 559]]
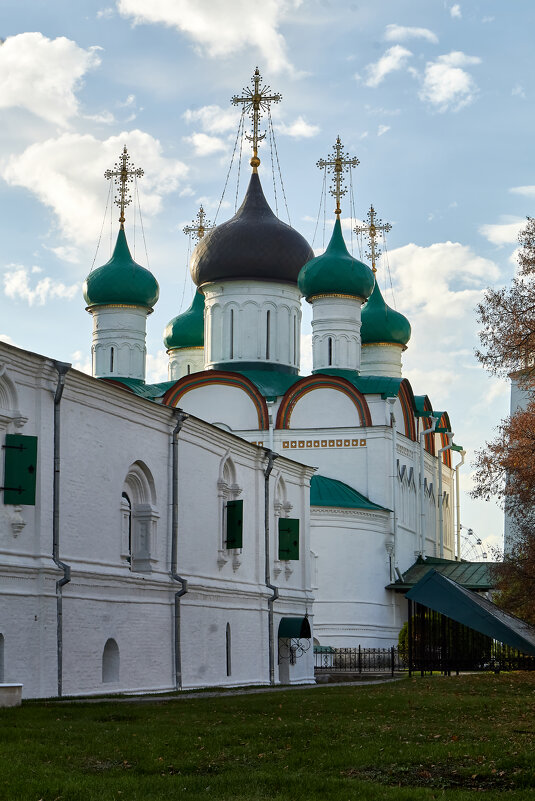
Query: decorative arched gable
[[425, 422], [444, 422], [196, 380], [313, 382], [406, 398]]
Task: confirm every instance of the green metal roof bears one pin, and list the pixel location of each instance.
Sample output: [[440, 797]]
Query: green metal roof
[[381, 323], [458, 603], [419, 402], [336, 271], [367, 384], [471, 575], [187, 329], [121, 280], [138, 387], [330, 492]]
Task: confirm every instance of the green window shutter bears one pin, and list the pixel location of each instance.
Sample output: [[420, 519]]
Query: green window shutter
[[20, 468], [234, 524], [288, 538]]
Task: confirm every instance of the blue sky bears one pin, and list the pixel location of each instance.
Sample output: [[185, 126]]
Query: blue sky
[[433, 97]]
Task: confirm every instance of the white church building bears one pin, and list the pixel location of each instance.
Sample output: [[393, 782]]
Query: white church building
[[207, 530]]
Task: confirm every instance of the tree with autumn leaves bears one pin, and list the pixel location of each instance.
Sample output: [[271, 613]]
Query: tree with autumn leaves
[[505, 468]]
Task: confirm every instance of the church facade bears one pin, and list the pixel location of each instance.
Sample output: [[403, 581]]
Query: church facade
[[207, 530]]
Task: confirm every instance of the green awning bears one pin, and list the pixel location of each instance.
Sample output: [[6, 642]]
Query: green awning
[[447, 597], [297, 627]]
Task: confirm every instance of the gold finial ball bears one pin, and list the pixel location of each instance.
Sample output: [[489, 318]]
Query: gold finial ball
[[255, 162]]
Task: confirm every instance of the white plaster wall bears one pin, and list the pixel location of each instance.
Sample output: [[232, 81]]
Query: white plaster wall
[[104, 430], [184, 361], [220, 404], [241, 308], [123, 330], [324, 408], [336, 319], [381, 359], [352, 607]]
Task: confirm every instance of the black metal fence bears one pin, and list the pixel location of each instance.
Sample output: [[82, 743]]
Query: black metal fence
[[359, 660]]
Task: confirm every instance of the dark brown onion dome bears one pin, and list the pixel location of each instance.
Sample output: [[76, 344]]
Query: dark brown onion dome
[[254, 244]]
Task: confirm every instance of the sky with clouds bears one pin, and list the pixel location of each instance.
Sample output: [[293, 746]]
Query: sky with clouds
[[433, 97]]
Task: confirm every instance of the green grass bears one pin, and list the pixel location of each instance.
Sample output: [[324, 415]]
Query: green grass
[[433, 738]]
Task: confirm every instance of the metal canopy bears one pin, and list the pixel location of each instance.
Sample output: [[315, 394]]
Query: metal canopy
[[447, 597], [297, 627], [471, 575]]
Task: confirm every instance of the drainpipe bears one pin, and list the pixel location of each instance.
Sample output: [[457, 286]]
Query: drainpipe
[[270, 404], [392, 401], [180, 417], [462, 454], [275, 592], [440, 498], [62, 369], [423, 435]]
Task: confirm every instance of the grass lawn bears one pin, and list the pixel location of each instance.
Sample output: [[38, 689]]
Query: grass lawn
[[431, 738]]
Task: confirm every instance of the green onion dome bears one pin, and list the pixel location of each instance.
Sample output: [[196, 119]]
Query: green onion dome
[[336, 272], [253, 245], [380, 323], [187, 330], [121, 281]]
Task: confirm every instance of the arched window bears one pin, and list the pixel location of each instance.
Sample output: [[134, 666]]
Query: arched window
[[228, 649], [126, 512], [1, 658], [268, 324], [232, 333], [138, 518], [110, 662], [112, 358], [188, 369], [329, 351]]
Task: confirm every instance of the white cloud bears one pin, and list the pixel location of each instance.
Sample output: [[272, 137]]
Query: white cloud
[[455, 11], [400, 33], [382, 129], [65, 253], [518, 91], [17, 286], [298, 129], [527, 191], [437, 288], [42, 75], [67, 175], [205, 145], [220, 28], [105, 13], [395, 58], [446, 85], [157, 367], [80, 361], [440, 280], [7, 340], [214, 119], [505, 233]]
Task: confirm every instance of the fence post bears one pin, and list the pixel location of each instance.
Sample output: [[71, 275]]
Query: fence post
[[392, 658], [360, 661]]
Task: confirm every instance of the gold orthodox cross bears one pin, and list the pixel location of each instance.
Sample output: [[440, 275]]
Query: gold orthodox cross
[[200, 226], [254, 102], [374, 226], [337, 165], [123, 173]]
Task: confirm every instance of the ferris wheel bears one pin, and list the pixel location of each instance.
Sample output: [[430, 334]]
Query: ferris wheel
[[472, 549]]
